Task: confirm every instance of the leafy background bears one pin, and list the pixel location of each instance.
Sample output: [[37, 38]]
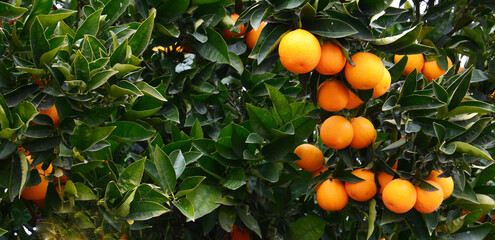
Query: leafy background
[[189, 141]]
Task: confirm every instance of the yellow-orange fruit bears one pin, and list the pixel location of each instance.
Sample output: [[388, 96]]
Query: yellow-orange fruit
[[53, 114], [336, 132], [364, 190], [367, 72], [414, 61], [36, 192], [228, 34], [447, 184], [332, 60], [364, 133], [299, 51], [312, 158], [383, 86], [428, 201], [331, 195], [333, 95], [384, 178], [252, 36], [354, 101], [431, 71], [399, 196]]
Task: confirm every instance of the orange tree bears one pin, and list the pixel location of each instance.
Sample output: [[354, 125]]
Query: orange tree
[[160, 123]]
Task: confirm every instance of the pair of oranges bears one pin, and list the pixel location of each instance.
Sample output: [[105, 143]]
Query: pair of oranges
[[250, 38], [430, 70]]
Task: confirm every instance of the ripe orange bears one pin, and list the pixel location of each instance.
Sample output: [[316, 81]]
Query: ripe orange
[[367, 72], [354, 101], [36, 192], [336, 132], [333, 95], [383, 86], [312, 158], [40, 203], [432, 71], [364, 190], [252, 36], [364, 132], [385, 178], [414, 61], [331, 195], [428, 201], [239, 234], [332, 60], [228, 34], [447, 184], [299, 51], [53, 114], [399, 196]]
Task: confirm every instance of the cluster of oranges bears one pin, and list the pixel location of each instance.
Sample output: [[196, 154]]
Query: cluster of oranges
[[430, 70]]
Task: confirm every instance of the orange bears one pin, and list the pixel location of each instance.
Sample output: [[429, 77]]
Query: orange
[[53, 114], [299, 51], [367, 71], [432, 71], [460, 69], [354, 101], [252, 36], [364, 133], [446, 183], [336, 132], [228, 34], [332, 60], [385, 178], [364, 190], [331, 195], [39, 167], [36, 192], [399, 196], [383, 86], [333, 95], [312, 158], [40, 203], [428, 201], [414, 61], [239, 234]]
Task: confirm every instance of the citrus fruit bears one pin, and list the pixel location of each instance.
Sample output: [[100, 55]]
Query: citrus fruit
[[354, 101], [299, 51], [312, 158], [239, 234], [331, 195], [432, 71], [428, 201], [367, 71], [36, 192], [364, 133], [384, 178], [252, 36], [336, 132], [40, 203], [332, 60], [383, 86], [53, 114], [414, 61], [364, 190], [333, 95], [446, 183], [228, 34], [399, 196]]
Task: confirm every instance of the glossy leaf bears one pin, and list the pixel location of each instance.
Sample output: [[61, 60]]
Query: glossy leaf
[[144, 210], [39, 43], [215, 49], [90, 26], [204, 199], [10, 12], [331, 28], [307, 228], [142, 36]]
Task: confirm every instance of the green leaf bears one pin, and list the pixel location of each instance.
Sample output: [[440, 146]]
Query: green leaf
[[84, 137], [130, 131], [6, 148], [145, 210], [48, 20], [409, 86], [82, 221], [485, 204], [418, 102], [397, 70], [269, 171], [113, 9], [248, 220], [90, 26], [3, 231], [39, 43], [125, 207], [26, 111], [440, 92], [474, 130], [413, 49], [235, 179], [471, 150], [484, 176], [268, 40], [372, 7], [215, 49], [309, 227], [39, 7], [178, 161], [371, 217], [188, 185], [331, 28], [120, 54], [196, 130], [226, 217], [417, 225], [150, 91], [141, 38], [185, 207], [99, 79], [5, 76], [286, 4], [471, 107], [165, 170], [459, 92], [280, 103], [171, 10], [261, 121], [474, 233], [84, 193], [81, 67], [132, 175], [204, 199], [400, 41], [10, 12]]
